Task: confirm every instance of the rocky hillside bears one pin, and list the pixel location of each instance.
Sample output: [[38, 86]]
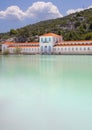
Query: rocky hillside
[[76, 26]]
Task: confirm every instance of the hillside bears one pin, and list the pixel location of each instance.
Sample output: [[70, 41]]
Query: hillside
[[76, 26]]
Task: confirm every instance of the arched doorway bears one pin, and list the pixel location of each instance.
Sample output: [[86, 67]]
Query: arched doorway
[[45, 49], [49, 49]]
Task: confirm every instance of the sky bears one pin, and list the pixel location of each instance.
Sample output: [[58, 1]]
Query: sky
[[19, 13]]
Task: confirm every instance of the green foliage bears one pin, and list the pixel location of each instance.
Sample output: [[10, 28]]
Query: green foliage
[[76, 26], [78, 14], [17, 50], [81, 29], [6, 52], [13, 32], [90, 26], [88, 36]]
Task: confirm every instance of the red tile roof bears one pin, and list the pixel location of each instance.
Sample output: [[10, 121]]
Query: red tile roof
[[9, 43], [62, 45], [51, 34], [23, 46], [78, 41]]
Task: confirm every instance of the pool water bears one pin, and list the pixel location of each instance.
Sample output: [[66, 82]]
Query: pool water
[[43, 92]]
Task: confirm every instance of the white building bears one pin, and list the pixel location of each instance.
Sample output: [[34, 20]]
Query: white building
[[50, 43]]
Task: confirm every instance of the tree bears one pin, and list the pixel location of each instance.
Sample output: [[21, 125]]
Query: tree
[[24, 32], [90, 26], [13, 32], [77, 24], [59, 32], [88, 36], [6, 52], [17, 50]]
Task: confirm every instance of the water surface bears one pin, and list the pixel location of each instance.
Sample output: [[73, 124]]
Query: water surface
[[46, 92]]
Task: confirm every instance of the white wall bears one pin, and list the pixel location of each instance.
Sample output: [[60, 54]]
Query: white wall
[[46, 46], [32, 50], [4, 47], [73, 49]]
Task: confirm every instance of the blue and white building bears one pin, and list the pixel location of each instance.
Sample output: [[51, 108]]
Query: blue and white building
[[50, 43]]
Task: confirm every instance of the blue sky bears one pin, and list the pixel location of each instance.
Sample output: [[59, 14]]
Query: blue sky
[[18, 13]]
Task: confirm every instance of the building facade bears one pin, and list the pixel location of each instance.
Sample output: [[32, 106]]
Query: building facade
[[50, 43]]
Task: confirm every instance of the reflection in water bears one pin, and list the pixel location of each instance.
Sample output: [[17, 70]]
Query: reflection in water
[[45, 92]]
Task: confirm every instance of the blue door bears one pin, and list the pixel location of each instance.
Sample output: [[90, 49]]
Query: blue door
[[45, 50]]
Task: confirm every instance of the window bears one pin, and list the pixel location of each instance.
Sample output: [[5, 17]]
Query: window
[[69, 49], [56, 40], [65, 49], [80, 48], [72, 49], [84, 48], [54, 49], [49, 49], [76, 49], [41, 39], [59, 39], [45, 39], [88, 48], [49, 39], [41, 48]]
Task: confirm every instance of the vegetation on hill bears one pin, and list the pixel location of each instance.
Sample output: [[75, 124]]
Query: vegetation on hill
[[77, 26]]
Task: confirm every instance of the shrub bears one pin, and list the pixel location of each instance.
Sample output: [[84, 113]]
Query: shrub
[[17, 50], [6, 52]]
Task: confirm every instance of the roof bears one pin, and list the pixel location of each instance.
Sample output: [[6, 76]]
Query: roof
[[9, 43], [23, 46], [64, 45], [78, 41], [51, 34], [26, 42]]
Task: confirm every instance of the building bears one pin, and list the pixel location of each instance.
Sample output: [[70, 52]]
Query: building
[[50, 43]]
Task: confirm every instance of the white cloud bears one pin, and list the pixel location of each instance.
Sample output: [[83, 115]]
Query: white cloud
[[12, 13], [39, 10], [71, 11], [89, 7], [43, 10]]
